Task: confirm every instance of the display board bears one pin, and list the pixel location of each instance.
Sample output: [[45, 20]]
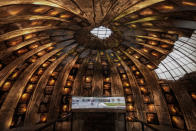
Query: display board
[[98, 102]]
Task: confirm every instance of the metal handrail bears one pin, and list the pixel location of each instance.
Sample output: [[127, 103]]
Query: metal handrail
[[145, 124], [68, 115], [53, 122]]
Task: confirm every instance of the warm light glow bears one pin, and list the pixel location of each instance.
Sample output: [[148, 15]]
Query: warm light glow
[[43, 118], [124, 76], [54, 74], [130, 107], [23, 110], [59, 53], [33, 46], [53, 13], [51, 82], [150, 66], [172, 108], [118, 64], [69, 83], [1, 65], [65, 108], [33, 23], [166, 7], [193, 95], [65, 16], [150, 117], [153, 43], [34, 79], [137, 56], [155, 53], [147, 24], [46, 64], [189, 3], [6, 86], [172, 32], [164, 46], [66, 91], [30, 88], [116, 24], [178, 121], [33, 60], [151, 108], [52, 59], [126, 84], [88, 79], [106, 86], [133, 26], [134, 16], [41, 53], [139, 40], [40, 72], [153, 35], [130, 116], [146, 99], [50, 48], [147, 12], [127, 91], [39, 10], [129, 99], [25, 97], [130, 51], [15, 11], [29, 36], [101, 53], [141, 81], [116, 60], [144, 90], [103, 63], [107, 79], [15, 75], [145, 50], [165, 88], [133, 68], [15, 41], [70, 77], [137, 73], [21, 51]]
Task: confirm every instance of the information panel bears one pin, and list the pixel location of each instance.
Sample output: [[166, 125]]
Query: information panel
[[98, 102]]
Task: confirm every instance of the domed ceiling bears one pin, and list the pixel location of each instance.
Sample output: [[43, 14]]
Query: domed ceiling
[[47, 51]]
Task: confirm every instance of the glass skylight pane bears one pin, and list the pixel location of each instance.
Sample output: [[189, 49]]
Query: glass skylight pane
[[191, 66], [193, 37], [180, 61], [101, 32], [191, 41], [184, 38], [162, 76], [167, 75]]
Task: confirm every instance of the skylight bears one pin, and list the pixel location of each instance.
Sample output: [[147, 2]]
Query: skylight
[[101, 32], [179, 62]]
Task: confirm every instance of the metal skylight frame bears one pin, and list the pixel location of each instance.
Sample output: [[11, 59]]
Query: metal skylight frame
[[180, 61], [101, 32]]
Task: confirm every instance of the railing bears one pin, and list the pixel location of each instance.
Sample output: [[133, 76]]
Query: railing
[[144, 124], [53, 123]]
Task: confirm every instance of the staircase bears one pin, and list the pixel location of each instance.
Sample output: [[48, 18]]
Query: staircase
[[99, 122]]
